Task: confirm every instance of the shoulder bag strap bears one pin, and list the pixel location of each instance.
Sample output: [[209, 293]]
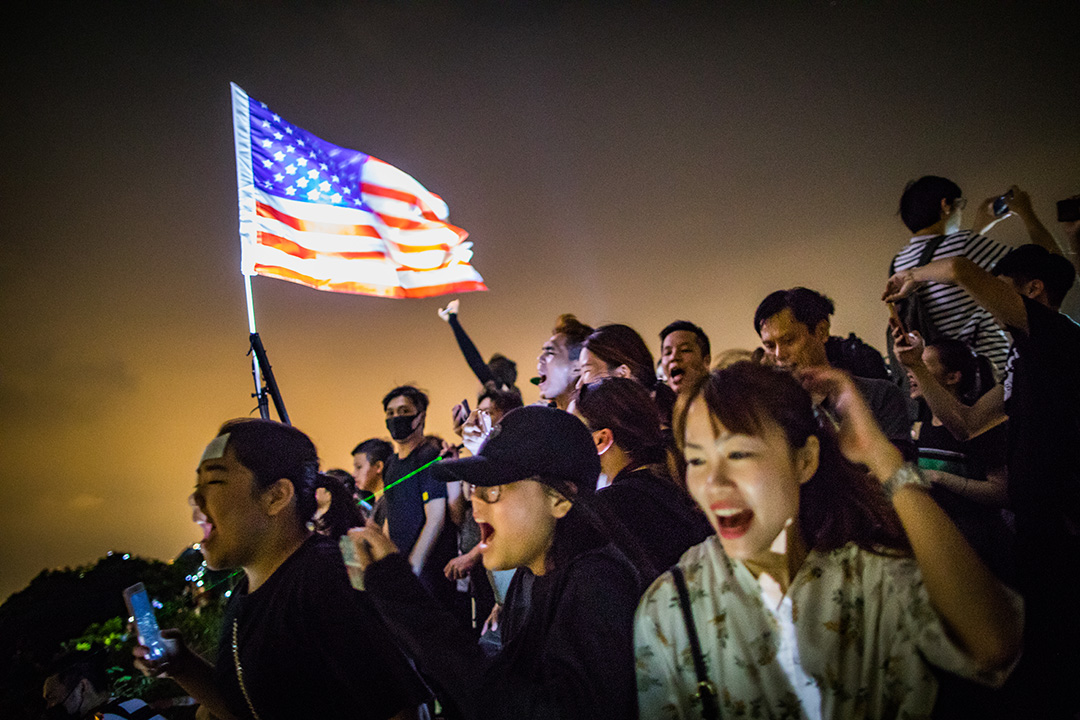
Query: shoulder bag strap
[[931, 247], [706, 690]]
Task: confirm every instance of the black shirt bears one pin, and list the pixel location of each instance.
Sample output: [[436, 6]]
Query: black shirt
[[1042, 400], [405, 500], [570, 656], [659, 515], [310, 646]]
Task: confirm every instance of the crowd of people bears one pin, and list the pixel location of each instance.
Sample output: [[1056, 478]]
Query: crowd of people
[[800, 530]]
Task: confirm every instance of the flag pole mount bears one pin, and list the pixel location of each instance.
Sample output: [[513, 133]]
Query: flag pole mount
[[266, 387]]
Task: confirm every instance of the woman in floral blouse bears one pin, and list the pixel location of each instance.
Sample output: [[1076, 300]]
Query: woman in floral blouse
[[826, 591]]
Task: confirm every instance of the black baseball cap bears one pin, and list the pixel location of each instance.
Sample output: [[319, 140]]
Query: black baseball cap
[[538, 442]]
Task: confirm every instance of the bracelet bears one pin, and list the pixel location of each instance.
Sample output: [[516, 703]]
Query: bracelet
[[906, 474]]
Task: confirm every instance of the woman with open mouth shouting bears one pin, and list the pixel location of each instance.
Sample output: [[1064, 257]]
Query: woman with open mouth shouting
[[827, 589], [567, 627]]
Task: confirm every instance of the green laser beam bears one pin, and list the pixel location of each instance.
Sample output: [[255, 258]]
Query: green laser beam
[[422, 467]]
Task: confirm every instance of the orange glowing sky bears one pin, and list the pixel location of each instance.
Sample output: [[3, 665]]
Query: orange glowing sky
[[630, 166]]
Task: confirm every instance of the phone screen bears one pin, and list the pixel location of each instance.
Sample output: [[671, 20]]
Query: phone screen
[[142, 611]]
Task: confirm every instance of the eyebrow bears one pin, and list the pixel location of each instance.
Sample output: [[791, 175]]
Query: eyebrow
[[211, 468]]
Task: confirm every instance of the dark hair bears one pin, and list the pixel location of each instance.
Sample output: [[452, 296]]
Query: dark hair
[[841, 503], [345, 477], [976, 371], [503, 369], [271, 451], [71, 669], [624, 407], [504, 400], [808, 307], [920, 205], [575, 332], [419, 399], [375, 449], [1034, 262], [617, 345], [687, 326], [342, 513]]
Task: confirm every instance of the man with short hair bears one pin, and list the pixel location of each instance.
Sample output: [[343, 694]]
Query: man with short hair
[[932, 209], [559, 363], [296, 636], [794, 328], [685, 353], [369, 463], [416, 506], [1041, 399], [80, 689]]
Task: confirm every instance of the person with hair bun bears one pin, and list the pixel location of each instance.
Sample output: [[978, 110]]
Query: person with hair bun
[[636, 486], [618, 351], [827, 591]]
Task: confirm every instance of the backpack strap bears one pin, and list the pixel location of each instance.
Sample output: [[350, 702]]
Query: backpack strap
[[925, 256], [706, 691]]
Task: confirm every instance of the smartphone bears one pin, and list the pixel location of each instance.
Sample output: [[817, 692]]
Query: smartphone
[[465, 404], [138, 604], [1001, 204], [894, 318], [1069, 209]]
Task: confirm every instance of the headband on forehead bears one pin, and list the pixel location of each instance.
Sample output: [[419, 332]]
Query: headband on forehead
[[215, 449]]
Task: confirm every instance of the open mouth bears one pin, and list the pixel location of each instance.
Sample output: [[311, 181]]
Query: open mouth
[[676, 374], [541, 379], [204, 523], [733, 522], [486, 531]]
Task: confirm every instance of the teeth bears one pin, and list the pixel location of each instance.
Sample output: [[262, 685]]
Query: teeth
[[728, 512]]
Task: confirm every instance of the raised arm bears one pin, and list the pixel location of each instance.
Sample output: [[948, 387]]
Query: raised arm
[[994, 294], [980, 613], [465, 343], [963, 421]]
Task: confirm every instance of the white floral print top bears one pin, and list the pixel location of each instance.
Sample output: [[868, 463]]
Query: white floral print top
[[862, 624]]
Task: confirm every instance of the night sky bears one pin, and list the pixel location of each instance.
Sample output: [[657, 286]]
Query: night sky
[[628, 164]]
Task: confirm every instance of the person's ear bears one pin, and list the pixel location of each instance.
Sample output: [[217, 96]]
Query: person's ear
[[946, 208], [420, 418], [1033, 288], [821, 332], [278, 496], [603, 439], [377, 466], [622, 371], [559, 505], [806, 459]]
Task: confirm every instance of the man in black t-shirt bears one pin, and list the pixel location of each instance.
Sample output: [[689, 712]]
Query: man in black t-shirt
[[297, 640], [416, 505]]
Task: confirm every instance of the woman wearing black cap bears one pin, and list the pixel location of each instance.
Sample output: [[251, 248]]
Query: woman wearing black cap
[[568, 652]]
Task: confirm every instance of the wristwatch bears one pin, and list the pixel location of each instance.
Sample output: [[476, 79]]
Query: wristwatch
[[906, 474]]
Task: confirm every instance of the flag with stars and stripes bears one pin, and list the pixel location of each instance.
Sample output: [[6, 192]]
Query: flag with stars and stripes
[[337, 219]]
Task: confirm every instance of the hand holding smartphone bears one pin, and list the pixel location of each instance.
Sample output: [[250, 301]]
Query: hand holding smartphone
[[138, 604]]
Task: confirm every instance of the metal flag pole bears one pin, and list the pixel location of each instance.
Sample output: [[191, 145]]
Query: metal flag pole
[[260, 367]]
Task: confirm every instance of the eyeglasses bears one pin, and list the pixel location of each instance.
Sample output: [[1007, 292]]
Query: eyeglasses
[[487, 494]]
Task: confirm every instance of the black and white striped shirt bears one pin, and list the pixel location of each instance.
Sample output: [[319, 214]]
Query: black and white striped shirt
[[954, 312]]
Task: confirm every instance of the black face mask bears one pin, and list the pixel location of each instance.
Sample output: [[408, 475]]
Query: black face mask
[[400, 426]]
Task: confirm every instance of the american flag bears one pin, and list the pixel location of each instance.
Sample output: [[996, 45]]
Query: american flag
[[337, 219]]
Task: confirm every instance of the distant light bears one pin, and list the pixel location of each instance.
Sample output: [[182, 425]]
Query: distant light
[[157, 604], [109, 554], [228, 593], [199, 584], [195, 546], [126, 556]]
